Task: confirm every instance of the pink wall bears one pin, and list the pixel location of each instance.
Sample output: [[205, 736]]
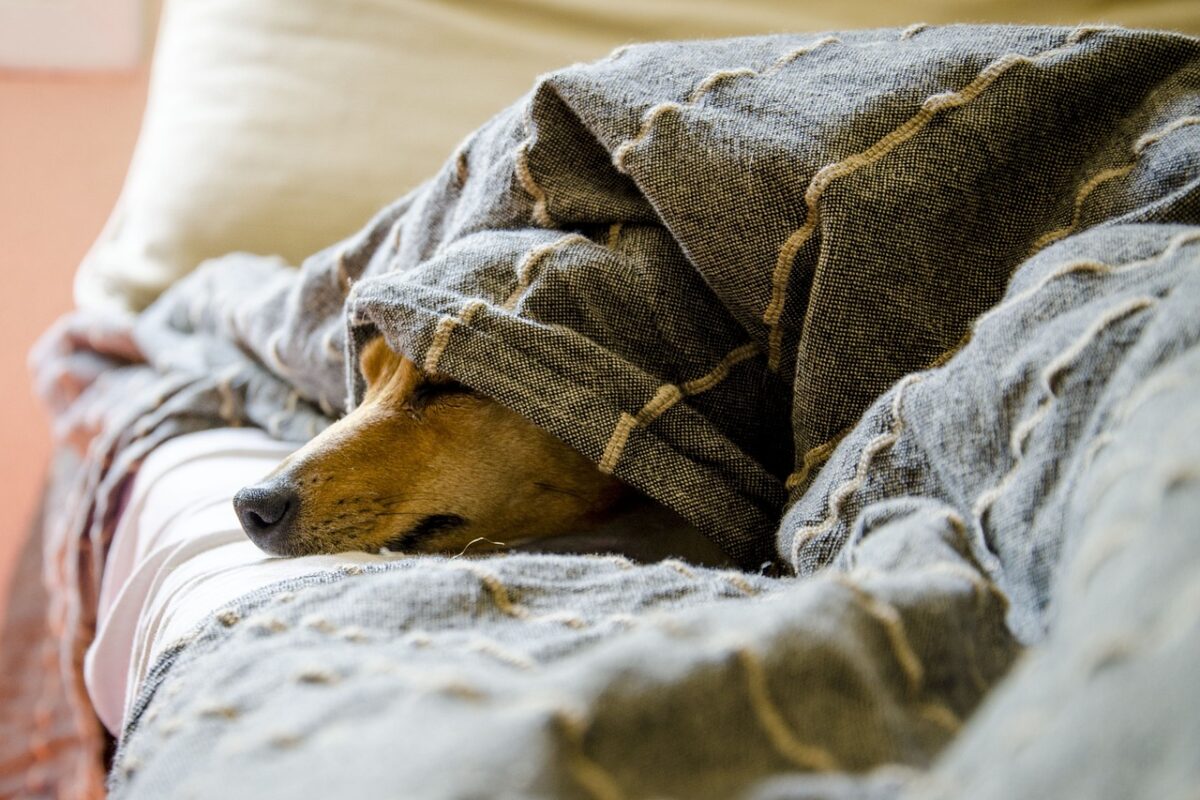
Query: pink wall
[[65, 144]]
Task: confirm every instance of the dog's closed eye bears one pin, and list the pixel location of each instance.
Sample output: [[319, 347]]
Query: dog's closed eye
[[429, 391]]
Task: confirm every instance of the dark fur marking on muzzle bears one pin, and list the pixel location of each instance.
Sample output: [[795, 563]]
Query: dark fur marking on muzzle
[[428, 527]]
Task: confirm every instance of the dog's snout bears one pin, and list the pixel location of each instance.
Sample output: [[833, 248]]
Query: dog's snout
[[267, 512]]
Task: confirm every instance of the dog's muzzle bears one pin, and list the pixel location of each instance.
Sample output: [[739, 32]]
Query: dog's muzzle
[[268, 513]]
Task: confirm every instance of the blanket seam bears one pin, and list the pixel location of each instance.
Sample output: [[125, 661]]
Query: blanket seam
[[931, 106], [881, 443], [702, 88], [1057, 367], [666, 396], [1111, 173]]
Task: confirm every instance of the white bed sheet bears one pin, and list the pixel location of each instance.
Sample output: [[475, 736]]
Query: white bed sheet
[[179, 554]]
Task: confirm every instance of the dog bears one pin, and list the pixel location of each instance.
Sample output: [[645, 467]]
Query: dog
[[425, 465]]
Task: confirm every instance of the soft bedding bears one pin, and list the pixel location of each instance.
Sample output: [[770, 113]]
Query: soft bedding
[[904, 320], [178, 555]]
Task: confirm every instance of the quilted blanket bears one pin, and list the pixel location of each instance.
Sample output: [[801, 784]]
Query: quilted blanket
[[905, 321]]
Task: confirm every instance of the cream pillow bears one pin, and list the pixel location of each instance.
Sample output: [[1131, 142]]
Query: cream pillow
[[280, 126]]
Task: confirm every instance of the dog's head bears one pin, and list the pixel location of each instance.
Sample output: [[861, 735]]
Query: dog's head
[[422, 465]]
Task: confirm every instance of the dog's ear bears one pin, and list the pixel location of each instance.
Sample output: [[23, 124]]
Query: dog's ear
[[390, 377], [377, 361], [400, 383]]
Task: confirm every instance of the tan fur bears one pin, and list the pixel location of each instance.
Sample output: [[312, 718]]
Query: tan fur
[[419, 448]]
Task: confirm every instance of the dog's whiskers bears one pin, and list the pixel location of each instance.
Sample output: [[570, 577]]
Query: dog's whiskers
[[473, 541]]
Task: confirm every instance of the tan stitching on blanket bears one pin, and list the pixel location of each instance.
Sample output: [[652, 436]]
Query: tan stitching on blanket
[[789, 57], [1049, 390], [703, 88], [664, 398], [680, 567], [283, 740], [445, 326], [317, 676], [941, 716], [462, 691], [1080, 198], [130, 766], [712, 80], [541, 214], [277, 420], [1087, 265], [326, 406], [889, 618], [532, 260], [1155, 386], [505, 604], [595, 779], [944, 357], [648, 121], [1156, 136], [721, 371], [740, 583], [1097, 549], [342, 274], [1094, 447], [331, 349], [616, 442], [273, 358], [354, 633], [397, 237], [499, 594], [462, 169], [930, 108], [621, 562], [568, 618], [1083, 31], [839, 496], [318, 623], [1106, 175], [618, 52], [219, 711], [820, 454], [912, 30], [266, 624], [614, 235], [228, 408], [771, 720], [814, 457], [493, 649]]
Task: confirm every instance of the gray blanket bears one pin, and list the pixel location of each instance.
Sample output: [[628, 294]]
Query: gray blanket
[[907, 317]]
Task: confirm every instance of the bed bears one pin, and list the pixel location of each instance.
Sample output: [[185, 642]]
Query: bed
[[900, 320]]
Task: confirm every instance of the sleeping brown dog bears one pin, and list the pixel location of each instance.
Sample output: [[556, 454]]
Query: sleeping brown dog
[[423, 465]]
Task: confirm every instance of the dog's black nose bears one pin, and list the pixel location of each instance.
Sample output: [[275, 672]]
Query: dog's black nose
[[268, 512]]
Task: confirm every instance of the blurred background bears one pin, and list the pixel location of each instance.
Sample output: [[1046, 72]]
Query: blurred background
[[72, 88], [278, 126]]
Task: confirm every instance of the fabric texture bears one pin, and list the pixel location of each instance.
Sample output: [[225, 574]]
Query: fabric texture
[[252, 141], [880, 312]]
